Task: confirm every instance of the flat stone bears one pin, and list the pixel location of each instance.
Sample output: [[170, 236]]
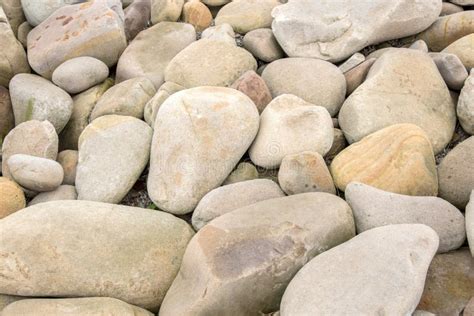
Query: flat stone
[[470, 223], [290, 125], [253, 86], [166, 10], [231, 197], [373, 208], [137, 16], [200, 135], [63, 192], [398, 159], [243, 172], [258, 247], [128, 253], [368, 273], [154, 104], [68, 160], [12, 198], [465, 108], [113, 152], [451, 69], [263, 45]]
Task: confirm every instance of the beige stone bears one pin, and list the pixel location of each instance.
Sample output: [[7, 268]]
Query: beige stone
[[243, 172], [12, 198], [63, 192], [152, 106], [68, 160], [464, 49], [253, 86], [197, 14], [166, 10], [7, 120]]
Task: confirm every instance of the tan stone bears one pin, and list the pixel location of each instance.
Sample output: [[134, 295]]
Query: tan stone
[[464, 49], [68, 160], [166, 10], [7, 120], [12, 197], [243, 172], [14, 13], [164, 92], [197, 14]]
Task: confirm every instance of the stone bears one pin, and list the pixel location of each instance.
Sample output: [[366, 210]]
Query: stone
[[263, 45], [166, 10], [35, 98], [449, 284], [92, 306], [290, 125], [8, 299], [258, 247], [222, 32], [36, 11], [12, 198], [469, 310], [398, 159], [68, 160], [79, 74], [132, 254], [244, 171], [465, 108], [315, 81], [352, 62], [12, 55], [419, 45], [63, 192], [470, 223], [197, 14], [338, 144], [357, 75], [209, 63], [23, 31], [152, 106], [127, 98], [450, 8], [200, 135], [381, 271], [215, 3], [229, 198], [451, 69], [253, 86], [403, 86], [373, 208], [463, 48], [14, 12], [334, 31], [456, 175], [69, 32], [113, 152], [7, 120], [35, 173], [151, 51], [33, 138], [137, 17], [305, 172], [83, 104], [247, 15]]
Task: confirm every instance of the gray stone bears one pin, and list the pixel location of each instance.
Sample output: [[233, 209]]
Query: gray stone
[[36, 11], [243, 172], [451, 69], [153, 105], [166, 10], [223, 32], [352, 62], [68, 160], [63, 192], [263, 45], [465, 108], [137, 17], [357, 75]]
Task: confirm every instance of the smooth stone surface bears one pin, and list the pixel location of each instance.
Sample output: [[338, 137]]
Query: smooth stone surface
[[200, 135], [315, 81], [470, 223], [113, 152], [197, 14], [51, 43], [373, 208], [333, 31], [456, 174], [352, 62], [451, 69], [338, 144], [35, 98], [33, 138], [8, 299], [68, 160], [14, 13], [36, 11], [12, 198], [91, 306], [79, 74], [7, 119], [209, 63], [231, 197], [127, 98], [403, 86], [465, 108], [290, 125], [151, 51], [166, 10], [381, 271], [223, 33], [397, 159], [243, 172], [450, 8], [263, 45], [258, 247], [305, 172], [163, 93], [253, 86], [23, 31], [469, 310], [137, 16], [63, 192], [357, 75], [85, 244], [463, 48]]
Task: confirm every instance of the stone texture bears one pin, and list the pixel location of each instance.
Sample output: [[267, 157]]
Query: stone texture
[[397, 159], [470, 223], [36, 11], [373, 208], [12, 198], [209, 63], [151, 51], [86, 29], [222, 32], [240, 263], [451, 69], [463, 48], [23, 31], [456, 175], [137, 16], [263, 45], [63, 192], [7, 120], [335, 30], [243, 172], [290, 125], [381, 271], [166, 10], [357, 75], [231, 197], [113, 152], [128, 253], [469, 310], [14, 13], [352, 62], [465, 108], [197, 14], [450, 8], [403, 86], [338, 145], [8, 299], [152, 106], [253, 86], [68, 160]]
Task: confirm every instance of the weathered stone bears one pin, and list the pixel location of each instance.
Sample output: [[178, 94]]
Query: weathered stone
[[197, 14], [381, 271], [7, 120], [352, 62], [222, 32], [451, 69], [463, 48], [243, 172], [253, 86], [263, 45], [419, 45], [450, 8], [258, 247], [152, 106], [166, 10], [137, 16], [68, 160], [465, 108], [63, 192], [200, 135], [12, 198], [469, 310], [356, 76]]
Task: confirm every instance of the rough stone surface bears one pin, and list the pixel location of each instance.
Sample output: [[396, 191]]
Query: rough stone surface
[[465, 108], [63, 192], [12, 198], [253, 86]]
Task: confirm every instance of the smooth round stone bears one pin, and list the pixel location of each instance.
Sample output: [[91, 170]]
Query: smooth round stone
[[398, 159], [68, 160], [357, 75], [338, 144], [315, 81], [137, 17], [35, 173], [12, 198], [197, 14], [373, 208], [14, 13], [163, 93], [79, 306], [7, 120], [259, 247], [23, 31], [470, 223], [368, 273], [135, 252], [222, 32], [263, 45], [166, 10], [420, 45], [290, 125], [451, 69], [209, 63], [305, 172], [35, 98], [215, 3], [62, 193], [36, 11], [465, 108], [469, 310], [450, 8], [463, 48], [352, 62], [253, 86], [231, 197], [243, 172], [456, 175], [79, 74]]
